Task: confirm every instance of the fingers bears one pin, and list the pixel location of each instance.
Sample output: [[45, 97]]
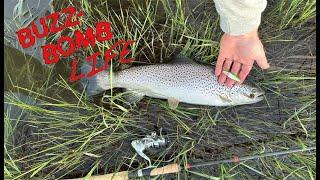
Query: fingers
[[226, 67], [219, 64], [245, 70], [262, 62], [235, 70]]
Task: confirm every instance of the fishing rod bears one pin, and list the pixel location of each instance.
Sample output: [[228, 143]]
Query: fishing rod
[[152, 141]]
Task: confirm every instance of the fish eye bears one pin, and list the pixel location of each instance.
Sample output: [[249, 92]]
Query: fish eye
[[254, 90], [251, 95]]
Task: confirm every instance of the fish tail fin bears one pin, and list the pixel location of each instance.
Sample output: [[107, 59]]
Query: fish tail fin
[[95, 84]]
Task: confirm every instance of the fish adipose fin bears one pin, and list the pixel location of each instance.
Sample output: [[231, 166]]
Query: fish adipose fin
[[173, 103], [132, 96]]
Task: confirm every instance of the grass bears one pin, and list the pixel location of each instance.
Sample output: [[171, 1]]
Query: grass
[[293, 13], [69, 136]]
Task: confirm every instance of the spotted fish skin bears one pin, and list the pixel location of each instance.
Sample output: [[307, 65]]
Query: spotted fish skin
[[187, 82]]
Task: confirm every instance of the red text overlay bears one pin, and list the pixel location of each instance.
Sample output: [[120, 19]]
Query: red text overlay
[[53, 52]]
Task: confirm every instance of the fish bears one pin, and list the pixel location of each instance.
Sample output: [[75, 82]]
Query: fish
[[182, 80]]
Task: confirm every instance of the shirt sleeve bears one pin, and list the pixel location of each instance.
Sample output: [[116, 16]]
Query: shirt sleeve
[[238, 17]]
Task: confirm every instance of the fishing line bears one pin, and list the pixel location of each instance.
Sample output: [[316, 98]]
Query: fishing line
[[239, 159]]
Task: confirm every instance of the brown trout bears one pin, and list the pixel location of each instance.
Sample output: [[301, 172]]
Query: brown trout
[[180, 81]]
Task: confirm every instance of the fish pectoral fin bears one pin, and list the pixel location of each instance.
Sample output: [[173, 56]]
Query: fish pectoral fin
[[225, 98], [173, 103], [132, 96]]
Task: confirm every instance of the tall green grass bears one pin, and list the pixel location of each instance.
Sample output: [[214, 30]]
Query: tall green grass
[[293, 13]]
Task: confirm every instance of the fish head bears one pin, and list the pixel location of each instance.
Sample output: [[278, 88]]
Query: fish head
[[246, 94]]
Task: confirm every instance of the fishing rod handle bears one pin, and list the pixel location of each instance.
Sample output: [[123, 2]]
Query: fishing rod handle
[[168, 169], [125, 175]]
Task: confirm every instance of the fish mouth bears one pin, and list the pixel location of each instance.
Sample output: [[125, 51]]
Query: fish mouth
[[260, 96]]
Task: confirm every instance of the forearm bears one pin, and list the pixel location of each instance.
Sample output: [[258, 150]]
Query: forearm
[[238, 17]]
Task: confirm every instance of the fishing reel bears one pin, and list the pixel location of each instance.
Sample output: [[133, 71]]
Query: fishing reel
[[150, 141]]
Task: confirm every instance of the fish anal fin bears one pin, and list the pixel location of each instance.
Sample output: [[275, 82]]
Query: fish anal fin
[[173, 103], [132, 96]]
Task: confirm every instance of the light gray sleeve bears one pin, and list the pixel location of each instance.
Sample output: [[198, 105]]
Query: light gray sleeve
[[238, 17]]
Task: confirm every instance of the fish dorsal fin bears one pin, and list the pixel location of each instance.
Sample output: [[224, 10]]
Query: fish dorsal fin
[[173, 103], [182, 59]]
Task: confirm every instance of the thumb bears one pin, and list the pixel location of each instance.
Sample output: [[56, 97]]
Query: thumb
[[263, 63]]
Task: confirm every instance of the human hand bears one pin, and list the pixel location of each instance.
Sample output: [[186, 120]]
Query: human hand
[[238, 53]]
